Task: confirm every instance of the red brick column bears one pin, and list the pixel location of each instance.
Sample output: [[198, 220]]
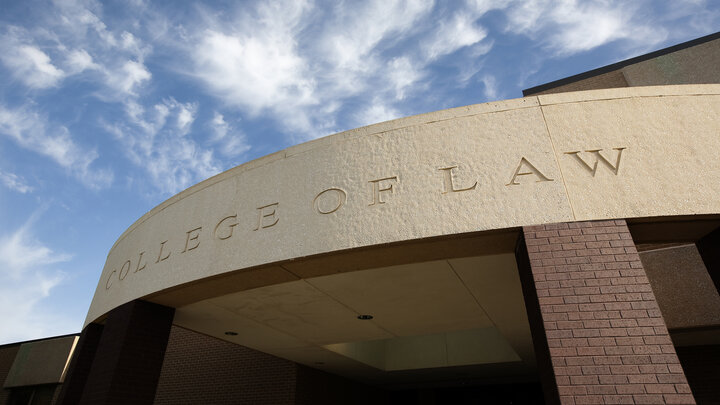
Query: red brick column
[[605, 337]]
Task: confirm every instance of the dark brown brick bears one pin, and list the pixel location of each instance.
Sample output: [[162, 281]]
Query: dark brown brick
[[609, 306]]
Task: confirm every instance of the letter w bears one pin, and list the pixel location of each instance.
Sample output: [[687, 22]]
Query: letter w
[[598, 158]]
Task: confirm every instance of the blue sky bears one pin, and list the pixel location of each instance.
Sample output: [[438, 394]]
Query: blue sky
[[109, 108]]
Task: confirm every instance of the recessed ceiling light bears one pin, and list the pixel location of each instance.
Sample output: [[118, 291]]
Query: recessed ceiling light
[[365, 317], [231, 333]]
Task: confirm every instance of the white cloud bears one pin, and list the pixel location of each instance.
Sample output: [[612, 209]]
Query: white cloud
[[28, 129], [15, 182], [29, 64], [355, 32], [376, 112], [260, 63], [78, 40], [77, 61], [80, 20], [27, 278], [20, 252], [128, 78], [452, 35], [185, 117], [490, 87], [402, 73], [230, 141], [255, 72], [154, 140], [261, 66], [569, 26]]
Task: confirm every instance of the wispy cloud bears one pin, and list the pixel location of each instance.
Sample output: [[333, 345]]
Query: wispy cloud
[[155, 140], [452, 34], [571, 26], [490, 87], [27, 278], [14, 182], [255, 65], [377, 112], [29, 130], [285, 62], [231, 142], [28, 63]]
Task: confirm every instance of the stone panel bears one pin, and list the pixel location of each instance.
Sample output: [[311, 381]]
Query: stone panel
[[618, 153]]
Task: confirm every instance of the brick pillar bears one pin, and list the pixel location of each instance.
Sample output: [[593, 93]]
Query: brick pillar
[[79, 369], [129, 356], [709, 248], [606, 338]]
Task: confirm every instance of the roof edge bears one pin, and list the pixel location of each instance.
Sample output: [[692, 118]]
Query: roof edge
[[619, 65]]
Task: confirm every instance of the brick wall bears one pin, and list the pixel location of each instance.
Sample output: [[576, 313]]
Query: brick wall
[[127, 364], [199, 369], [7, 357], [72, 389], [607, 340]]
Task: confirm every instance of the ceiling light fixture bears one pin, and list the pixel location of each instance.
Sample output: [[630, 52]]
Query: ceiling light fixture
[[365, 317], [231, 333]]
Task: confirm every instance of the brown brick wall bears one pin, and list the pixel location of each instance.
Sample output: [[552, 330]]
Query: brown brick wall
[[7, 357], [71, 390], [606, 336], [199, 369], [129, 357]]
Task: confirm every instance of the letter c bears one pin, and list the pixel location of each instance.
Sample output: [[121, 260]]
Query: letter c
[[107, 283]]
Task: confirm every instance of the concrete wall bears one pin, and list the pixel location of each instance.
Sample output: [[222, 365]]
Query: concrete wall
[[683, 287]]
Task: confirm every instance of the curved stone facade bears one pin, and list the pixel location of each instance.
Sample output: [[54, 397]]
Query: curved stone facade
[[620, 153]]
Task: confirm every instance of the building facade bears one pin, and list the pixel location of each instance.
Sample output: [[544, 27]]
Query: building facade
[[560, 248]]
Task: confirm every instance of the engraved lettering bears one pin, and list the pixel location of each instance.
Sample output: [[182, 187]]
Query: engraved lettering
[[598, 158], [267, 216], [192, 236], [448, 185], [377, 189], [326, 205], [138, 268], [160, 256], [127, 265], [230, 227], [530, 169], [107, 283]]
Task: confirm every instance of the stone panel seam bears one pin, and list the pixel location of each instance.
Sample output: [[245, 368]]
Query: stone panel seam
[[557, 160]]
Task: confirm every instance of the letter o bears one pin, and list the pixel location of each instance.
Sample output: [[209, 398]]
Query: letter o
[[126, 264], [341, 197]]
